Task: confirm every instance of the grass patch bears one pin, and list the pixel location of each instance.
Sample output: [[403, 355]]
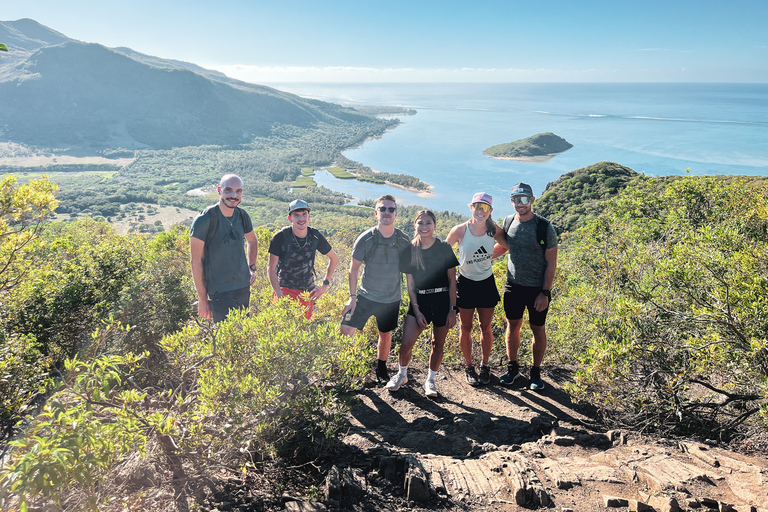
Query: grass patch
[[340, 173], [370, 180], [307, 171], [304, 182]]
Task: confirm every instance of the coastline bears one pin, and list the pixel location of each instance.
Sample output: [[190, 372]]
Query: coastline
[[416, 191], [529, 159], [413, 190]]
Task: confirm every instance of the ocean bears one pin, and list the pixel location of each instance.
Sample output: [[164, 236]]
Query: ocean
[[655, 129]]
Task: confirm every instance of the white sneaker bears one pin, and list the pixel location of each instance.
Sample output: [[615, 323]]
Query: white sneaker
[[430, 389], [396, 381]]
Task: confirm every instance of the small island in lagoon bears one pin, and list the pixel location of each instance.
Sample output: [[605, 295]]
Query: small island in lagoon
[[537, 148]]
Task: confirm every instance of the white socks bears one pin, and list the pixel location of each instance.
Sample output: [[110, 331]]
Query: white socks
[[432, 375]]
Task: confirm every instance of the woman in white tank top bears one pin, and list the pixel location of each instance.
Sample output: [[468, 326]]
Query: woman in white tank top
[[476, 286]]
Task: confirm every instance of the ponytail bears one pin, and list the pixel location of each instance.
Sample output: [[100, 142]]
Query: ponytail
[[490, 227]]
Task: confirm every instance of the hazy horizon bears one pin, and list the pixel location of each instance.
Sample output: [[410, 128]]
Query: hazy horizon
[[429, 41]]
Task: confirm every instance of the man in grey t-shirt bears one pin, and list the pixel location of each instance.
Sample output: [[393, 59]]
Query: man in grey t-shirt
[[532, 244], [376, 251], [221, 270]]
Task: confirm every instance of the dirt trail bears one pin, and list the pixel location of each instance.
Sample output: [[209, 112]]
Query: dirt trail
[[511, 449]]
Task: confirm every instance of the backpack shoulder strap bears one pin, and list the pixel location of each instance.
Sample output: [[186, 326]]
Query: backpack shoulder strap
[[369, 253], [542, 226], [213, 221], [287, 245], [508, 222]]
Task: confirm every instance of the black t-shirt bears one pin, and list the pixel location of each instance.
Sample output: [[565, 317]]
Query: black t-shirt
[[298, 272], [438, 258]]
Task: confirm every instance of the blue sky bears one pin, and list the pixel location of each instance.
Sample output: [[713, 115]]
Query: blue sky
[[427, 40]]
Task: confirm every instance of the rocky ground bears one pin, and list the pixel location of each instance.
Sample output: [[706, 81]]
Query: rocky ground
[[490, 448], [502, 448]]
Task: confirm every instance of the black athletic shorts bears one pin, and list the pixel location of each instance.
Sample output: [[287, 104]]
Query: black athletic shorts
[[476, 294], [385, 313], [517, 298], [223, 302], [434, 307]]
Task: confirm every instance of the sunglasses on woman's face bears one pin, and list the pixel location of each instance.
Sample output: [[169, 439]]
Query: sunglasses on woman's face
[[390, 209], [481, 206], [521, 199]]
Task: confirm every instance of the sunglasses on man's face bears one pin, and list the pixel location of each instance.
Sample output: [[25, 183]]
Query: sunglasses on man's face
[[521, 199], [390, 209], [481, 206]]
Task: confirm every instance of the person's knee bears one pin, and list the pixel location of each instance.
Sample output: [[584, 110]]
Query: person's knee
[[347, 330]]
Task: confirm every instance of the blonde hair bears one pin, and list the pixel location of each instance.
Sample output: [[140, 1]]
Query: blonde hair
[[417, 260]]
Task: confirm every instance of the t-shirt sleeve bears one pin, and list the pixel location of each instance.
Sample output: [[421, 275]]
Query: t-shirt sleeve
[[200, 225], [362, 244], [247, 223], [276, 244], [551, 236], [405, 260], [450, 257], [323, 246]]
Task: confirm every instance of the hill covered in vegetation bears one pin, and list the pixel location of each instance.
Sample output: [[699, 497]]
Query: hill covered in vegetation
[[86, 95], [579, 196], [539, 145]]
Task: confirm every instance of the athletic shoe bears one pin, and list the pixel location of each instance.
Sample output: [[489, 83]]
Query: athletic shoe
[[485, 374], [396, 381], [513, 372], [536, 383], [382, 374], [472, 378], [430, 389]]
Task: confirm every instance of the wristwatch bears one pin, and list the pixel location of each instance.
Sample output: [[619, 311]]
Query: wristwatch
[[455, 308], [546, 293], [326, 282], [252, 267]]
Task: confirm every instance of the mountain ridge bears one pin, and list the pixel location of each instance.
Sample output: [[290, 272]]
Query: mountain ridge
[[85, 95]]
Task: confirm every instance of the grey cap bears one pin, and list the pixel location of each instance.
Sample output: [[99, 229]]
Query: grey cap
[[521, 189], [298, 204]]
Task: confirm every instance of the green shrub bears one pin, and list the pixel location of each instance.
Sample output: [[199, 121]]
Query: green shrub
[[668, 294]]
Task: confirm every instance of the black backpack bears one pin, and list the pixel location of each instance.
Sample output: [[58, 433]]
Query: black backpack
[[213, 224], [376, 244], [542, 226]]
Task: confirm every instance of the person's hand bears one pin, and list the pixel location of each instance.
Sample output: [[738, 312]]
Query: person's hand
[[318, 291], [541, 303], [204, 310], [420, 319], [253, 276], [350, 307], [451, 321]]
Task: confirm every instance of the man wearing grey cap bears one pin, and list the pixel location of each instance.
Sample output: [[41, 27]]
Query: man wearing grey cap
[[292, 259], [532, 244]]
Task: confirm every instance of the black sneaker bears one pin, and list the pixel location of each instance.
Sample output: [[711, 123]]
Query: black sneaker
[[513, 372], [485, 374], [536, 383], [472, 379], [382, 374]]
